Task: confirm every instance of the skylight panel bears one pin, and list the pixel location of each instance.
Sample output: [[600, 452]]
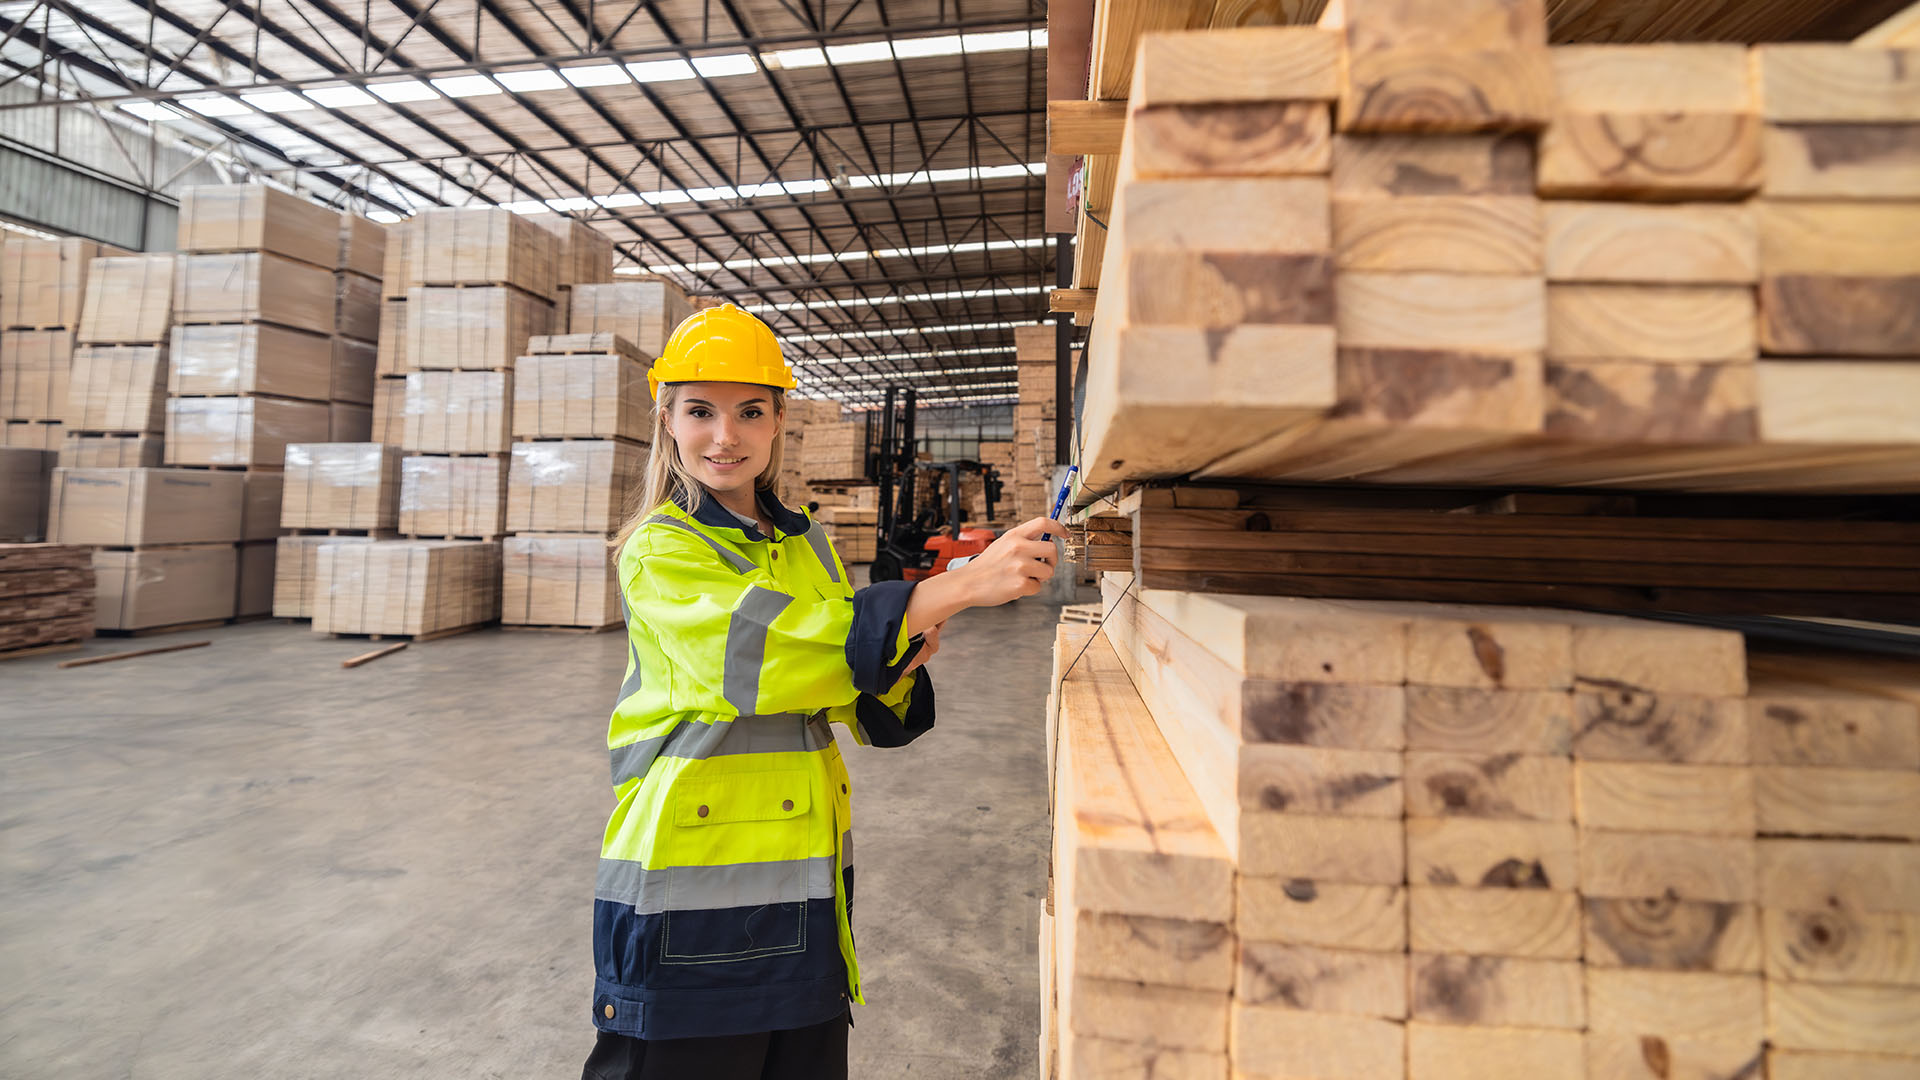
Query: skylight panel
[[340, 97], [215, 105], [865, 52], [913, 48], [521, 82], [651, 71], [462, 86], [277, 101], [596, 75], [402, 90], [714, 67], [996, 42], [790, 59]]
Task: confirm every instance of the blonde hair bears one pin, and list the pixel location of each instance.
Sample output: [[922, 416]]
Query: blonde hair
[[667, 476]]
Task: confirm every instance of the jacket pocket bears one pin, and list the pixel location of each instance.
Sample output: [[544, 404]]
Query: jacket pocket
[[746, 899]]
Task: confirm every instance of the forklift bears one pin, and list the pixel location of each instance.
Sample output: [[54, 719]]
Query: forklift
[[914, 544]]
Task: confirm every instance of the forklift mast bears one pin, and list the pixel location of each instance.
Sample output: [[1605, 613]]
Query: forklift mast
[[890, 439]]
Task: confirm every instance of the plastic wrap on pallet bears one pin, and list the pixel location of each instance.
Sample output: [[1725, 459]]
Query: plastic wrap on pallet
[[85, 451], [396, 269], [363, 247], [255, 359], [356, 306], [583, 254], [118, 388], [582, 397], [250, 431], [643, 311], [558, 580], [129, 301], [576, 487], [42, 282], [458, 412], [341, 486], [352, 371], [254, 217], [405, 586], [453, 496], [128, 507], [391, 346], [481, 246], [253, 286], [152, 587], [294, 562], [476, 328], [35, 366]]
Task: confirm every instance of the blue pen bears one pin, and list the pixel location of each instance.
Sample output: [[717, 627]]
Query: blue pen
[[1060, 500]]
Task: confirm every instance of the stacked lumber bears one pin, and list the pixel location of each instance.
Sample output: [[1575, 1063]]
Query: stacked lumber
[[358, 317], [581, 420], [834, 451], [110, 451], [582, 255], [645, 311], [43, 285], [458, 412], [341, 486], [1648, 266], [853, 531], [803, 414], [1450, 835], [1033, 422], [390, 343], [405, 587], [46, 597], [26, 477], [296, 561], [453, 496], [166, 541]]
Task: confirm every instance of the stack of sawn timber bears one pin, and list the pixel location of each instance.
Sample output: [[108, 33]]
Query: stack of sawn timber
[[1678, 266], [1303, 838], [42, 286], [1031, 481], [46, 596]]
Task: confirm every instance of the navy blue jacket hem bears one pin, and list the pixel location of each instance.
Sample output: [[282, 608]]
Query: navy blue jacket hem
[[690, 1014]]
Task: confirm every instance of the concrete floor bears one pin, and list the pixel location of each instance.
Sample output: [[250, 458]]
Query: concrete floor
[[244, 861]]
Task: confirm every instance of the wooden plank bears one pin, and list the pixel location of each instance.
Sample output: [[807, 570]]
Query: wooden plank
[[1631, 243], [1535, 923], [1650, 322], [1824, 83], [1496, 991], [1878, 239], [1648, 1057], [1128, 1011], [1313, 979], [1171, 287], [1634, 725], [1615, 133], [110, 657], [1840, 315], [1615, 653], [1140, 1061], [1290, 639], [1471, 720], [1841, 161], [1817, 1065], [1117, 32], [1078, 301], [1806, 801], [1811, 875], [1820, 1016], [1793, 722], [1879, 676], [1498, 234], [1311, 780], [1634, 401], [1505, 786], [1247, 64], [1164, 952], [1838, 401], [1141, 840], [1837, 944], [1675, 935], [1331, 914], [1267, 138], [369, 657], [1491, 854], [1452, 166], [1489, 648], [1270, 1041], [1715, 799], [1690, 1004], [1441, 311], [1681, 866], [1446, 1052], [1360, 851], [1410, 71], [1085, 127]]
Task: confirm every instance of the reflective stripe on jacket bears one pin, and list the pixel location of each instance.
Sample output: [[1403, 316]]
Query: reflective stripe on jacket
[[724, 896]]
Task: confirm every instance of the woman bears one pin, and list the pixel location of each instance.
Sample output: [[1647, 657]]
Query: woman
[[722, 932]]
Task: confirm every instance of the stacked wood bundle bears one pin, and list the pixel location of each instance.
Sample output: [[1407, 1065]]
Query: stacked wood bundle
[[296, 561], [458, 412], [390, 346], [1570, 266], [1435, 836], [358, 316], [559, 580], [1033, 423], [341, 486], [572, 485], [46, 597], [453, 497], [645, 311], [419, 588], [166, 540], [834, 452], [803, 414], [582, 386], [582, 255], [26, 477], [852, 529], [43, 285], [110, 451]]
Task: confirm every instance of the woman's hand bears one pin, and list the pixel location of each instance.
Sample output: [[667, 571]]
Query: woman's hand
[[1015, 565], [929, 644]]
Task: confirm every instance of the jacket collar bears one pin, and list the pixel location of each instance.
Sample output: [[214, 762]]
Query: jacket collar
[[714, 516]]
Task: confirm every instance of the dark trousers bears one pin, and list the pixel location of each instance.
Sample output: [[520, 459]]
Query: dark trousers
[[809, 1053]]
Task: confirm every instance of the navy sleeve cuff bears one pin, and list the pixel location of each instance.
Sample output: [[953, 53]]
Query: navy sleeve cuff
[[879, 612], [883, 728]]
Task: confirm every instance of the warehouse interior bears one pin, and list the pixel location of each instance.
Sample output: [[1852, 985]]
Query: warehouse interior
[[1484, 642]]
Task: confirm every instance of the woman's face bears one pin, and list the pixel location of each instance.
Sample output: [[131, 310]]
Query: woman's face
[[725, 432]]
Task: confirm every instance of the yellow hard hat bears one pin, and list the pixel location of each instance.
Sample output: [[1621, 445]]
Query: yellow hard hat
[[721, 344]]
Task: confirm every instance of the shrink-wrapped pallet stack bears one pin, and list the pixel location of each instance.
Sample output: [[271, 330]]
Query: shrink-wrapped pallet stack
[[644, 310], [802, 415], [581, 425], [43, 285], [582, 255], [166, 541], [346, 493], [1033, 422], [357, 312], [390, 344], [254, 364]]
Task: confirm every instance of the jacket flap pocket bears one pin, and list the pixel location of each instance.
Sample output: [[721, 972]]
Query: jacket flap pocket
[[751, 796]]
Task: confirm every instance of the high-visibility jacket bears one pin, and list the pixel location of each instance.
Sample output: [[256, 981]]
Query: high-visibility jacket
[[723, 901]]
